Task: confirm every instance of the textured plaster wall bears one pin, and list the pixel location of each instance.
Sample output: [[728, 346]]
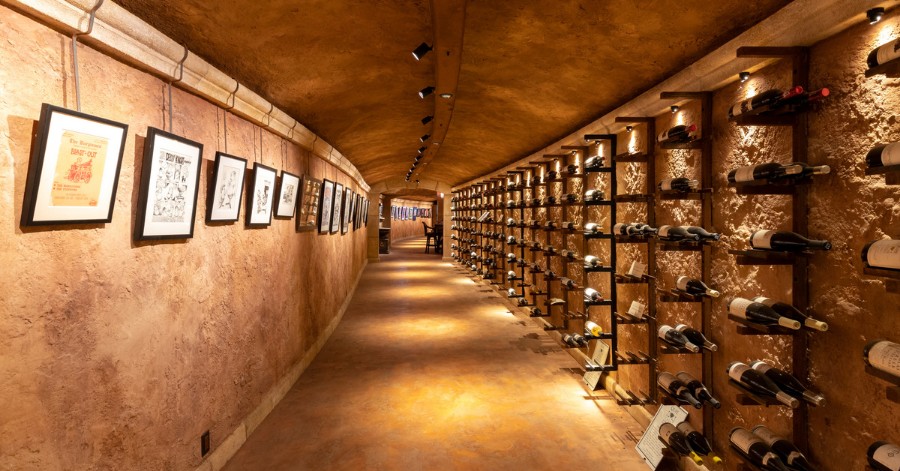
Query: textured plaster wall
[[406, 229], [117, 355]]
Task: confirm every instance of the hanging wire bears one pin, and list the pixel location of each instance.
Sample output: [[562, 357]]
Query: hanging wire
[[180, 76], [75, 51]]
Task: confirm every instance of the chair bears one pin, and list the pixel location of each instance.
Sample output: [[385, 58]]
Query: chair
[[430, 238]]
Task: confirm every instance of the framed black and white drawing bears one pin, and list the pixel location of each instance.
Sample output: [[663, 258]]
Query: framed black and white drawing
[[73, 173], [308, 204], [357, 215], [336, 207], [288, 188], [261, 196], [345, 215], [326, 205], [366, 215], [223, 200], [170, 179]]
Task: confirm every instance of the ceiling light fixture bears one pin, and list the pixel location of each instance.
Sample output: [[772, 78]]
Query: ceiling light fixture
[[875, 15], [420, 51], [446, 95], [744, 76], [418, 157], [425, 137], [593, 137], [674, 108], [427, 119], [422, 149], [426, 91], [629, 128], [436, 143]]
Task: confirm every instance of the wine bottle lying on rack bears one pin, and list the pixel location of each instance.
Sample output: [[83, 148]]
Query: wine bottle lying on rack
[[681, 184], [786, 451], [626, 229], [807, 170], [570, 198], [593, 228], [568, 283], [591, 260], [550, 225], [510, 222], [592, 328], [883, 253], [572, 169], [535, 312], [788, 383], [883, 356], [678, 442], [698, 389], [591, 295], [884, 456], [702, 233], [884, 53], [697, 441], [772, 171], [574, 340], [675, 387], [675, 233], [755, 450], [696, 337], [511, 274], [759, 383], [594, 195], [570, 225], [695, 287], [675, 338], [884, 155], [759, 313], [784, 241], [796, 101], [791, 312], [678, 133], [767, 97]]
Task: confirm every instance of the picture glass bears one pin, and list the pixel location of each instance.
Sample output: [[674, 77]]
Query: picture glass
[[326, 207], [172, 195], [348, 200], [336, 207], [287, 197], [228, 188], [308, 203], [262, 196]]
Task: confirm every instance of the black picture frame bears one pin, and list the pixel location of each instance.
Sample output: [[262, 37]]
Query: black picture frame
[[308, 204], [366, 214], [211, 191], [279, 201], [259, 170], [346, 209], [336, 207], [147, 167], [34, 181], [326, 204]]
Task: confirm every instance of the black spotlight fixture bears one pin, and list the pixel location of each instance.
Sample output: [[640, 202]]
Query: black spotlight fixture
[[426, 91], [420, 51], [674, 108], [875, 15], [595, 137], [422, 149], [425, 137], [744, 76], [629, 128], [427, 119]]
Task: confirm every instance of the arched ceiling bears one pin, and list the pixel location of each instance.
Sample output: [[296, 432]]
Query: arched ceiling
[[532, 70]]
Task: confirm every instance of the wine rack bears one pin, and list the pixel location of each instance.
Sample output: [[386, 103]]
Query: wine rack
[[891, 173], [891, 278], [893, 391]]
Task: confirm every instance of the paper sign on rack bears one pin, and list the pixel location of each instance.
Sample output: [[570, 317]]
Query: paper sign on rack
[[637, 269], [600, 356], [649, 446], [637, 310]]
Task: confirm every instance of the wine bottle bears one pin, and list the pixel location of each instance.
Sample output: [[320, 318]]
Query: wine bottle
[[759, 313], [592, 328], [572, 169], [791, 312], [696, 337], [703, 233], [572, 197], [765, 98], [510, 222], [697, 441], [592, 261], [675, 233], [678, 442], [807, 170], [511, 240], [676, 133], [569, 225], [884, 456], [552, 174], [535, 312], [698, 389], [568, 283], [755, 450], [884, 253], [767, 171], [883, 356], [511, 274], [681, 184], [883, 155], [759, 383], [784, 241], [550, 274], [669, 334], [799, 100], [550, 225], [593, 195], [675, 387], [696, 287], [644, 229], [625, 229], [593, 162], [592, 227], [884, 53], [785, 450], [787, 382], [572, 341], [590, 294]]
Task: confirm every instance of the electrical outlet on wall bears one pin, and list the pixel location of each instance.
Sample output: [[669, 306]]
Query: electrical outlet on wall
[[204, 443]]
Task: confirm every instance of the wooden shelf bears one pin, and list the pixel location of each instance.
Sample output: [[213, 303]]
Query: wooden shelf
[[596, 203], [628, 157], [765, 187], [891, 278], [595, 269], [767, 257], [893, 391], [598, 170], [597, 235], [620, 239], [628, 319], [676, 296], [627, 279], [746, 397], [752, 328], [882, 170], [667, 348], [692, 144], [673, 195], [633, 198], [686, 246], [889, 69], [631, 359]]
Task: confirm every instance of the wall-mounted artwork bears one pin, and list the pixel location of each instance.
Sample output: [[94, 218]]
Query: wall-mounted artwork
[[326, 206], [336, 207], [357, 216], [74, 169], [414, 212], [348, 204], [288, 189], [170, 178], [261, 198], [308, 204], [366, 214], [225, 194]]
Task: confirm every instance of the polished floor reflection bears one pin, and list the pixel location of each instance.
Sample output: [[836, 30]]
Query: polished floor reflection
[[430, 371]]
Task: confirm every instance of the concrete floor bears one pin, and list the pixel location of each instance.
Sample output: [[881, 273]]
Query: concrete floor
[[430, 371]]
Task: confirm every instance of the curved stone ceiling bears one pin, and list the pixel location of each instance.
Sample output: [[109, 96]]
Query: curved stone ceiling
[[532, 70]]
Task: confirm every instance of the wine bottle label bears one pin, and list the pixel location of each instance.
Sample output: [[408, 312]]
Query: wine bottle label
[[665, 381], [767, 435], [890, 155], [663, 231], [662, 136], [739, 306], [743, 439], [885, 356], [764, 300], [744, 174], [666, 431], [736, 370], [889, 456], [762, 239], [682, 282], [617, 229], [665, 329], [666, 184], [742, 107], [889, 51], [885, 254]]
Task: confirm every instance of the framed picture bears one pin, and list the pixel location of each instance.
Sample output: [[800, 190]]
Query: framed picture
[[73, 173], [345, 215], [261, 198], [393, 212], [288, 188], [336, 207], [308, 204], [357, 221], [224, 197], [325, 206], [170, 178], [415, 212], [366, 214]]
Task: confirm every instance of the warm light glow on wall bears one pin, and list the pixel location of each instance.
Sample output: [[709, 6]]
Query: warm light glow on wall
[[679, 118], [749, 89], [632, 144], [885, 34]]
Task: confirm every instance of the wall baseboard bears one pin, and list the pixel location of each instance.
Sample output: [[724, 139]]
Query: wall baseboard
[[220, 456]]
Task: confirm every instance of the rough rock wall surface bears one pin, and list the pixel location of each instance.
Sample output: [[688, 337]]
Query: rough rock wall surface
[[119, 355], [405, 229]]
